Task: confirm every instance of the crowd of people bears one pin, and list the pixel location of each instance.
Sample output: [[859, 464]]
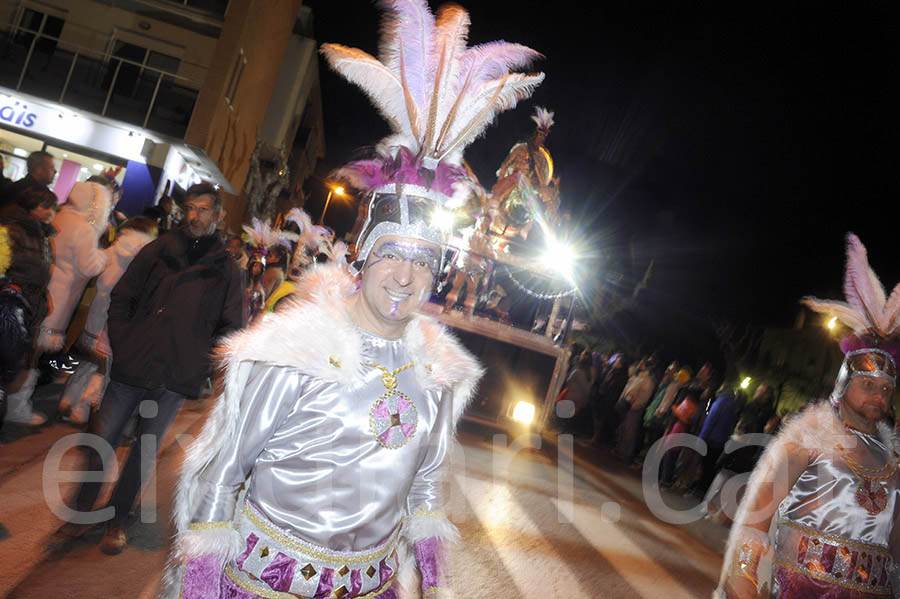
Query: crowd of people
[[129, 309], [635, 408]]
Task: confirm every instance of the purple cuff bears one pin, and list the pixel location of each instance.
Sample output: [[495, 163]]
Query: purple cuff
[[202, 576], [432, 561]]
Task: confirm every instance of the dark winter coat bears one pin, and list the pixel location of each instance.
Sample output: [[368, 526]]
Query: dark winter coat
[[32, 257], [178, 296], [9, 192]]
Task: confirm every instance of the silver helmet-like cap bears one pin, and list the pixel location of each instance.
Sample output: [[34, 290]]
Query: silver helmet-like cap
[[409, 213], [871, 362]]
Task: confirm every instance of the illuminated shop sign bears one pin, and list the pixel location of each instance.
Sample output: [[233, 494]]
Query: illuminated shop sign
[[17, 114], [61, 122]]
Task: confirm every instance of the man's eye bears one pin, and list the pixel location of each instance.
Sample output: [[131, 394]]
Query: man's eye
[[390, 256], [421, 264]]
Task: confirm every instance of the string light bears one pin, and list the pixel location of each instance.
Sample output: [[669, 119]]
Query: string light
[[542, 296]]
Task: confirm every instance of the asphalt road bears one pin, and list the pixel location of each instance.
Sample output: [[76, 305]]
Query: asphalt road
[[535, 522]]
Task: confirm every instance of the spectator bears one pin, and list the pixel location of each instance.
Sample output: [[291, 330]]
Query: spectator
[[179, 294], [578, 389], [163, 213], [276, 267], [604, 396], [41, 172], [635, 397], [717, 428], [236, 250], [757, 413], [86, 386], [27, 223], [77, 257], [685, 412], [4, 180], [254, 291]]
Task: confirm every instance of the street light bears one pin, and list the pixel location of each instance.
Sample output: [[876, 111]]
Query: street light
[[339, 191]]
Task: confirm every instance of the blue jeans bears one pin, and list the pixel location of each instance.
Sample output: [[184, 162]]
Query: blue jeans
[[120, 402]]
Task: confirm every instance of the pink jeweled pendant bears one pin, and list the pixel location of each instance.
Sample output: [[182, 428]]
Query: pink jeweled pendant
[[872, 496]]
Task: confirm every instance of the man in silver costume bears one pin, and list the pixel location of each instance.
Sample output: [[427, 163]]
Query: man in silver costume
[[818, 518], [336, 419], [318, 473]]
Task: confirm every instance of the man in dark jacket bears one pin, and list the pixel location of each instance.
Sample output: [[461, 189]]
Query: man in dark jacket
[[41, 172], [178, 296]]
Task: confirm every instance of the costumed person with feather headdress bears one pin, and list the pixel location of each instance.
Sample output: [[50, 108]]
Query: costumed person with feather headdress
[[265, 243], [526, 187], [819, 515], [313, 241], [338, 412]]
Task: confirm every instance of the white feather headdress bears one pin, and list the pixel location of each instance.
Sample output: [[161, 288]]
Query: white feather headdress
[[868, 310], [261, 237], [436, 94]]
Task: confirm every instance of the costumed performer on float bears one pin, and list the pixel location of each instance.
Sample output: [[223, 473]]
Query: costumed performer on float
[[829, 479], [338, 412]]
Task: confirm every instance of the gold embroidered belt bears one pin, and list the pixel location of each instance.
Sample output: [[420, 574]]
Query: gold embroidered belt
[[279, 565], [844, 562]]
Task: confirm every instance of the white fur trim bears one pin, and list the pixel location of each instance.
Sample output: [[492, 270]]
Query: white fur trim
[[421, 526], [224, 543], [407, 572]]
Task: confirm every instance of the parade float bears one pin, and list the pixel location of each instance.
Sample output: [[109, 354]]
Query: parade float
[[508, 288]]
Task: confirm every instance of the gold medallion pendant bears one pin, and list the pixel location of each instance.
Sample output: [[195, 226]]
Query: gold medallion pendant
[[393, 417], [872, 496], [871, 493]]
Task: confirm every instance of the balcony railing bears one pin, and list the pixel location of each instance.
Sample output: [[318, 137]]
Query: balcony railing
[[112, 86]]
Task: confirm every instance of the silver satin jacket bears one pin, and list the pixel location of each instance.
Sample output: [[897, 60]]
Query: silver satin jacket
[[829, 527], [339, 465]]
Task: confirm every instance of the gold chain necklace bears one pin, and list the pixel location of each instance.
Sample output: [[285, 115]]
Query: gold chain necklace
[[393, 417], [871, 493], [389, 377]]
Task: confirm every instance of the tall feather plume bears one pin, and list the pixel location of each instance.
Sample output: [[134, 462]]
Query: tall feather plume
[[408, 33], [300, 218], [847, 314], [892, 311], [478, 66], [382, 85], [437, 94], [492, 98], [866, 310], [452, 25]]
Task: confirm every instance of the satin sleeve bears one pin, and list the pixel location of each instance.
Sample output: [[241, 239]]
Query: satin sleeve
[[267, 398], [425, 493]]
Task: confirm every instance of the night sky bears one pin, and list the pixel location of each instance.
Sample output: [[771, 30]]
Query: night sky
[[733, 146]]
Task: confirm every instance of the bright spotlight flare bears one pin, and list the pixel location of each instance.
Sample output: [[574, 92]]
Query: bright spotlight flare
[[523, 412], [559, 257], [442, 219], [746, 382]]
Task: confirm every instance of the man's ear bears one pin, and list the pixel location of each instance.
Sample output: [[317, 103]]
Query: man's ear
[[221, 216]]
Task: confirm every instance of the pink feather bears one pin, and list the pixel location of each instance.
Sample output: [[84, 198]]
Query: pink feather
[[861, 285], [892, 311], [487, 62], [408, 32]]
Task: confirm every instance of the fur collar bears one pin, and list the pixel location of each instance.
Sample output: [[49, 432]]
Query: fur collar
[[315, 333]]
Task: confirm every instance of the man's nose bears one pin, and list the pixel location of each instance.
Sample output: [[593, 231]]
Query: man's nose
[[403, 273]]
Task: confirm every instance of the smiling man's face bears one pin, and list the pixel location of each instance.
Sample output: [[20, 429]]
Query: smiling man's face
[[396, 281]]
